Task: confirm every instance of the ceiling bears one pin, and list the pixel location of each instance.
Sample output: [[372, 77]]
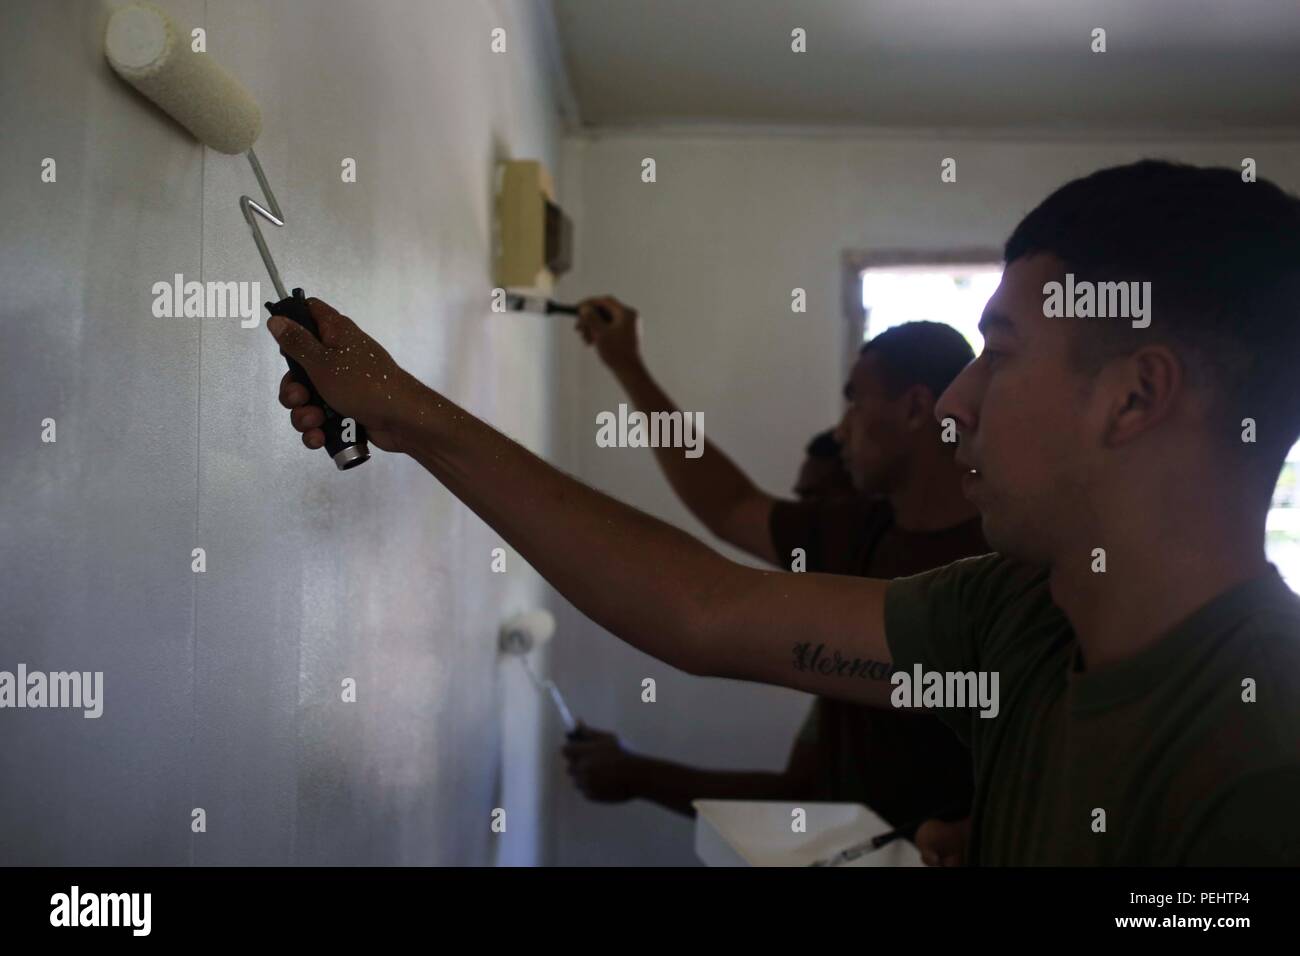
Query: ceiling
[[1197, 65]]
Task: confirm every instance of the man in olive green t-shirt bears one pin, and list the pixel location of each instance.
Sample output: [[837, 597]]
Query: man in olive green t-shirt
[[1161, 748], [1125, 426]]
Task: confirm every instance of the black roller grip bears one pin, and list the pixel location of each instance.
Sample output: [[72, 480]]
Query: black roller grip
[[345, 454]]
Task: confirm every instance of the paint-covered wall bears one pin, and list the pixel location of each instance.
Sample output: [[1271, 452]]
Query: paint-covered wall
[[222, 689]]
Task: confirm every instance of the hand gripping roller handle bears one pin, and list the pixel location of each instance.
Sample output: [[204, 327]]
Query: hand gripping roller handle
[[346, 454]]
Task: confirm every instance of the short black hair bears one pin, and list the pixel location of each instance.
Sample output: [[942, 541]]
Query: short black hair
[[920, 353], [823, 445], [1223, 259]]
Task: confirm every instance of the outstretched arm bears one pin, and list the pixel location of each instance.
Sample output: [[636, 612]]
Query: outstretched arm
[[715, 490], [643, 580]]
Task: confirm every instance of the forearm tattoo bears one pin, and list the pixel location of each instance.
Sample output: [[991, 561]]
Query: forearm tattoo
[[810, 657]]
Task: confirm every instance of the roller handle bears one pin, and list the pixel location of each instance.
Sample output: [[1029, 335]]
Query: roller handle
[[345, 454]]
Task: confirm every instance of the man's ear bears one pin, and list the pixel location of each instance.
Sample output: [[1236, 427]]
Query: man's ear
[[1143, 389], [919, 407]]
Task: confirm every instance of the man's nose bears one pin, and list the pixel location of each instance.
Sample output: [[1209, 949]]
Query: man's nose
[[955, 402]]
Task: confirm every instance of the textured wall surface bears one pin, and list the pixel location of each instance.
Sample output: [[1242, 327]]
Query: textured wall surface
[[709, 254], [222, 689]]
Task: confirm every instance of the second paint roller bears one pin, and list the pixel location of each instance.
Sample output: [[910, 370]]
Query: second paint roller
[[148, 50], [517, 637]]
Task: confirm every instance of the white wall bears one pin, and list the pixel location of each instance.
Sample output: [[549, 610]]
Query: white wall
[[709, 255], [222, 688]]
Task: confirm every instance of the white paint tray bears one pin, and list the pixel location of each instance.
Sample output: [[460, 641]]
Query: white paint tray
[[758, 833]]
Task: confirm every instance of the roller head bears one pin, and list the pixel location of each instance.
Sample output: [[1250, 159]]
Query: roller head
[[148, 50], [523, 632]]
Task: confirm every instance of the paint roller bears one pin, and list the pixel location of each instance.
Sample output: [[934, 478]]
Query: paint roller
[[148, 50], [517, 637]]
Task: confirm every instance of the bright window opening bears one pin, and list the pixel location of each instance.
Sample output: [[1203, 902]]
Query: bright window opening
[[1282, 535], [954, 294]]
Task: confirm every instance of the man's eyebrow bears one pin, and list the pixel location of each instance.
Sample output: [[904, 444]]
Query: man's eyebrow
[[995, 321]]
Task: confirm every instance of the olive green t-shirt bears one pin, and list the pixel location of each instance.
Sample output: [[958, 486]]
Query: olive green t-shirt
[[1186, 771]]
